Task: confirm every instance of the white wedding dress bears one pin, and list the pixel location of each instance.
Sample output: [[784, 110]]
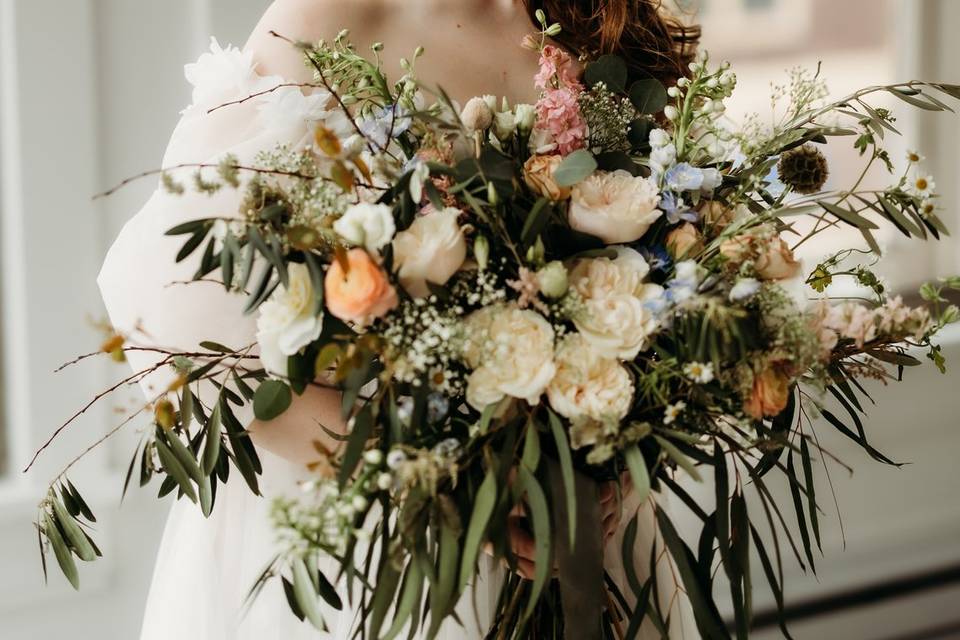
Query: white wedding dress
[[205, 567]]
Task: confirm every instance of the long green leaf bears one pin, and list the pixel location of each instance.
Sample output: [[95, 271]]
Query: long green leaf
[[175, 469], [211, 448], [483, 505], [362, 430], [74, 534], [306, 595], [543, 565], [638, 472], [566, 469], [704, 611], [61, 551]]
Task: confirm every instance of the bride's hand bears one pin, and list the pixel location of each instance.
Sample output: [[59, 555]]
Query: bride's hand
[[523, 545]]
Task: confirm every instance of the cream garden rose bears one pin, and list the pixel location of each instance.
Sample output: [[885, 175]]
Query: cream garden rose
[[616, 319], [287, 322], [511, 353], [431, 250], [614, 206], [588, 384]]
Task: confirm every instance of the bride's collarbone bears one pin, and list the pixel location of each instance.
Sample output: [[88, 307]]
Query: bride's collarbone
[[467, 54]]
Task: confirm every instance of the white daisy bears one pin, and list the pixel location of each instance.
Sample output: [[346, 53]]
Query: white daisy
[[914, 157], [921, 186], [699, 372], [673, 411]]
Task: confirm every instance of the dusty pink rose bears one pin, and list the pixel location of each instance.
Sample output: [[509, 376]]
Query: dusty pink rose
[[556, 63], [558, 112]]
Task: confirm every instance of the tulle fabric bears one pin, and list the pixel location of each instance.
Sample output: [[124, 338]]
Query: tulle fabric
[[206, 566]]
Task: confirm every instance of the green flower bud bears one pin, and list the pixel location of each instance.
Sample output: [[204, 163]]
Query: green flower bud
[[481, 251], [492, 196], [553, 280]]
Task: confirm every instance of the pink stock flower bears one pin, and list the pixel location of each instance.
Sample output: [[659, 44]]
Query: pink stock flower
[[556, 63], [558, 112]]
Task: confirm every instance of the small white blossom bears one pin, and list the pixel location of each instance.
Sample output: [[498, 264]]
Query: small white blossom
[[744, 289], [921, 186], [699, 372], [673, 411], [373, 457], [395, 459]]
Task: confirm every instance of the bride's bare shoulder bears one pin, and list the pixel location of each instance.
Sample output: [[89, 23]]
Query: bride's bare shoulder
[[308, 20]]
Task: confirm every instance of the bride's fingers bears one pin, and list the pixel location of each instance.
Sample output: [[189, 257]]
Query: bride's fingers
[[608, 492], [521, 542]]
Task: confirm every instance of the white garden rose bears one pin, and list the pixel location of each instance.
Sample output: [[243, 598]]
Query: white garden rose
[[614, 206], [617, 319], [366, 225], [588, 384], [431, 250], [511, 353], [286, 322]]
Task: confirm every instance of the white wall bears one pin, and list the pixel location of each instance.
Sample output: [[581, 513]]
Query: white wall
[[89, 93]]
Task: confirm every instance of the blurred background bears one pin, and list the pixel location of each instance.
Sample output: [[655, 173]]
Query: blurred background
[[89, 93]]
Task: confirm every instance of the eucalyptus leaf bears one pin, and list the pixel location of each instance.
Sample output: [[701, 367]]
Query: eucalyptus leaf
[[60, 550], [648, 95], [271, 399], [611, 70], [74, 535], [575, 168], [638, 472], [483, 504], [566, 468]]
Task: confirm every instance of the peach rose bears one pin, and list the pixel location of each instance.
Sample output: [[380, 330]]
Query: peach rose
[[684, 241], [361, 294], [772, 256], [538, 174], [717, 214], [770, 393]]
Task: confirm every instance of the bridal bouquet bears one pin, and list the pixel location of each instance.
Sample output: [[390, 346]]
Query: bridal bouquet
[[521, 302]]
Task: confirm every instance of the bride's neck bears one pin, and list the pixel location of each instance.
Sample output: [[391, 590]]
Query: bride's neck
[[501, 8]]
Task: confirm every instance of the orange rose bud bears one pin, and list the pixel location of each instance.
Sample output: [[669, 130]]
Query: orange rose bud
[[684, 241], [361, 292], [770, 393], [164, 414]]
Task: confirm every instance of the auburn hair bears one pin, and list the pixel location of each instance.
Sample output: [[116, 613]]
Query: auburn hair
[[652, 42]]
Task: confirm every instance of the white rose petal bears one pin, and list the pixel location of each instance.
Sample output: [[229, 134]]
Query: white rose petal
[[589, 385], [618, 319], [286, 322], [615, 206], [511, 352], [370, 226], [431, 250]]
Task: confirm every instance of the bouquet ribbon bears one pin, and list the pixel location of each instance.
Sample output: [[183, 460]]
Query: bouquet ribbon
[[581, 564]]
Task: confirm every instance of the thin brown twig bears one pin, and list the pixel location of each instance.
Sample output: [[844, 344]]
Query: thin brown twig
[[86, 407], [202, 165], [301, 85]]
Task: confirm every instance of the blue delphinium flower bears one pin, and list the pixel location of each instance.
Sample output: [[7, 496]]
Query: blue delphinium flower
[[657, 257], [676, 209], [385, 121], [684, 177], [685, 282], [774, 186]]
